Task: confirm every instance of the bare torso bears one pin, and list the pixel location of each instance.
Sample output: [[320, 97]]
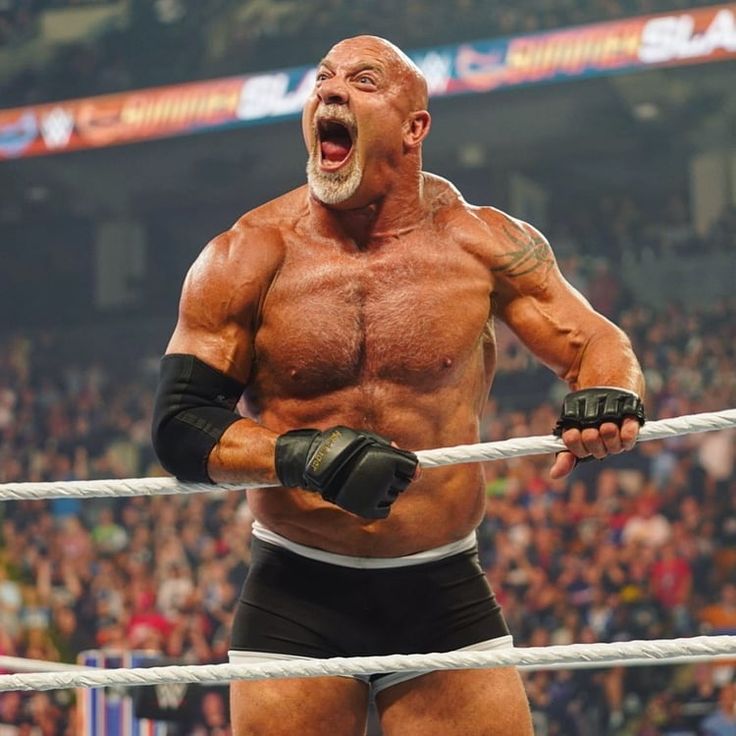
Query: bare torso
[[395, 338], [391, 333]]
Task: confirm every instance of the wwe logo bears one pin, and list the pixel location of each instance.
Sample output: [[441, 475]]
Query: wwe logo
[[57, 127], [170, 695], [437, 70]]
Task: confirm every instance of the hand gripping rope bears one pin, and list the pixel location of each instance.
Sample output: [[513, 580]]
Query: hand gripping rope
[[484, 451]]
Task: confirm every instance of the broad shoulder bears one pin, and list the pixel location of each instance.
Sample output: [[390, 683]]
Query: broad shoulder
[[255, 244], [278, 215], [448, 203], [492, 233], [519, 256], [442, 195], [507, 234], [242, 261]]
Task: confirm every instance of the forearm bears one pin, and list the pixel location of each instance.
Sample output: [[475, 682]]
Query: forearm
[[607, 359], [597, 417], [244, 453], [198, 435], [359, 472]]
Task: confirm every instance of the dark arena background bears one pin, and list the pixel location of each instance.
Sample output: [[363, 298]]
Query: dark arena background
[[134, 131]]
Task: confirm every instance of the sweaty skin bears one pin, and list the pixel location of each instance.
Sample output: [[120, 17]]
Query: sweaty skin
[[367, 298], [378, 314], [394, 335]]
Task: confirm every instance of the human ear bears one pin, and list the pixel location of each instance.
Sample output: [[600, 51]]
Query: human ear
[[417, 128]]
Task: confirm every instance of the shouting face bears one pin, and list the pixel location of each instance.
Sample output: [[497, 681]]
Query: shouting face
[[366, 113]]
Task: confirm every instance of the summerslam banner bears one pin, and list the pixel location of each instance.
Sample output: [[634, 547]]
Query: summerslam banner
[[665, 40]]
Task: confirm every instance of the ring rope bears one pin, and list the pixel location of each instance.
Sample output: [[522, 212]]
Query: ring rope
[[571, 656], [484, 451], [521, 446], [23, 664]]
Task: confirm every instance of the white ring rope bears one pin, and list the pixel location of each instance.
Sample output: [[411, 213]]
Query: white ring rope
[[571, 656], [23, 664], [516, 447]]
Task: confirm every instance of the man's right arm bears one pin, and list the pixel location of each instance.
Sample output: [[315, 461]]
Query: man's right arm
[[209, 359], [196, 433]]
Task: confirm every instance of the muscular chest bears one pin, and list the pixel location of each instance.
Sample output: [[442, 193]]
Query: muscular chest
[[404, 313]]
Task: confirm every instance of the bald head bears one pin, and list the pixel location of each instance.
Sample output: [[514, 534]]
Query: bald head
[[364, 122], [396, 60]]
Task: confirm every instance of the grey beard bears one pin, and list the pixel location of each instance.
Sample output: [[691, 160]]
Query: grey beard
[[333, 187]]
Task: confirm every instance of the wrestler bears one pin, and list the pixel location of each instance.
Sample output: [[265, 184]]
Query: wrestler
[[356, 315]]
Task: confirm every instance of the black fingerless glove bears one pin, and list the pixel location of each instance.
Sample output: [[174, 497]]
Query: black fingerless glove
[[591, 407], [359, 471]]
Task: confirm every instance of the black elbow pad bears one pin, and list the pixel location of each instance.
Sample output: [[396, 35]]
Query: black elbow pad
[[194, 406]]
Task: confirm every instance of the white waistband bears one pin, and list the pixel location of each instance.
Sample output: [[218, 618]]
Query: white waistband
[[369, 563]]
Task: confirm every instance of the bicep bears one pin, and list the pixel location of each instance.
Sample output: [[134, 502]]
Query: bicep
[[533, 298], [218, 309]]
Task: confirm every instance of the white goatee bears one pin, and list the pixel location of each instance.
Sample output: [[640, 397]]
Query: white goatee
[[333, 187]]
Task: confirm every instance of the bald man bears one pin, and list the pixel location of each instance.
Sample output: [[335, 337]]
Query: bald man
[[356, 314]]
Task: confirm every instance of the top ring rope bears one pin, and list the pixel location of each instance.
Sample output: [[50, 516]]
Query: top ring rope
[[516, 447], [569, 656]]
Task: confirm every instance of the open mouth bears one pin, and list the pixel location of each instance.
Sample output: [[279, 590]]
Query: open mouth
[[335, 143]]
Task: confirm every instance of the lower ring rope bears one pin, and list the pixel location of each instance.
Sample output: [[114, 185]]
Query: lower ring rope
[[484, 451], [23, 664], [571, 656]]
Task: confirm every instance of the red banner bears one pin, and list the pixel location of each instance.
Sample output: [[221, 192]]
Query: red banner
[[121, 118]]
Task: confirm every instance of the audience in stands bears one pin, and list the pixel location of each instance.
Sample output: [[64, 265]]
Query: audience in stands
[[638, 547]]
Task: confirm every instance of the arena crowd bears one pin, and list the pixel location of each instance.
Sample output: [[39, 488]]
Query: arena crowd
[[641, 546]]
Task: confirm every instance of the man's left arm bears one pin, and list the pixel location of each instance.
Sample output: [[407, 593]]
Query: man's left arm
[[562, 329]]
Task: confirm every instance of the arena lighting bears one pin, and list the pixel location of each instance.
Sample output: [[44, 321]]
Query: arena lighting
[[646, 111]]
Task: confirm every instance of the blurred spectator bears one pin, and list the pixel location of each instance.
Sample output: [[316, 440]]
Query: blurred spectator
[[723, 721], [719, 617], [646, 527], [671, 578], [641, 546], [214, 720], [108, 536]]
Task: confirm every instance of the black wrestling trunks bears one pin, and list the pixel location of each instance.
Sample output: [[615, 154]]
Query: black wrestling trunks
[[295, 606]]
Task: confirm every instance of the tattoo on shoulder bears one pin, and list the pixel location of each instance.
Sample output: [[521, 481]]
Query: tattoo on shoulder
[[531, 253]]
